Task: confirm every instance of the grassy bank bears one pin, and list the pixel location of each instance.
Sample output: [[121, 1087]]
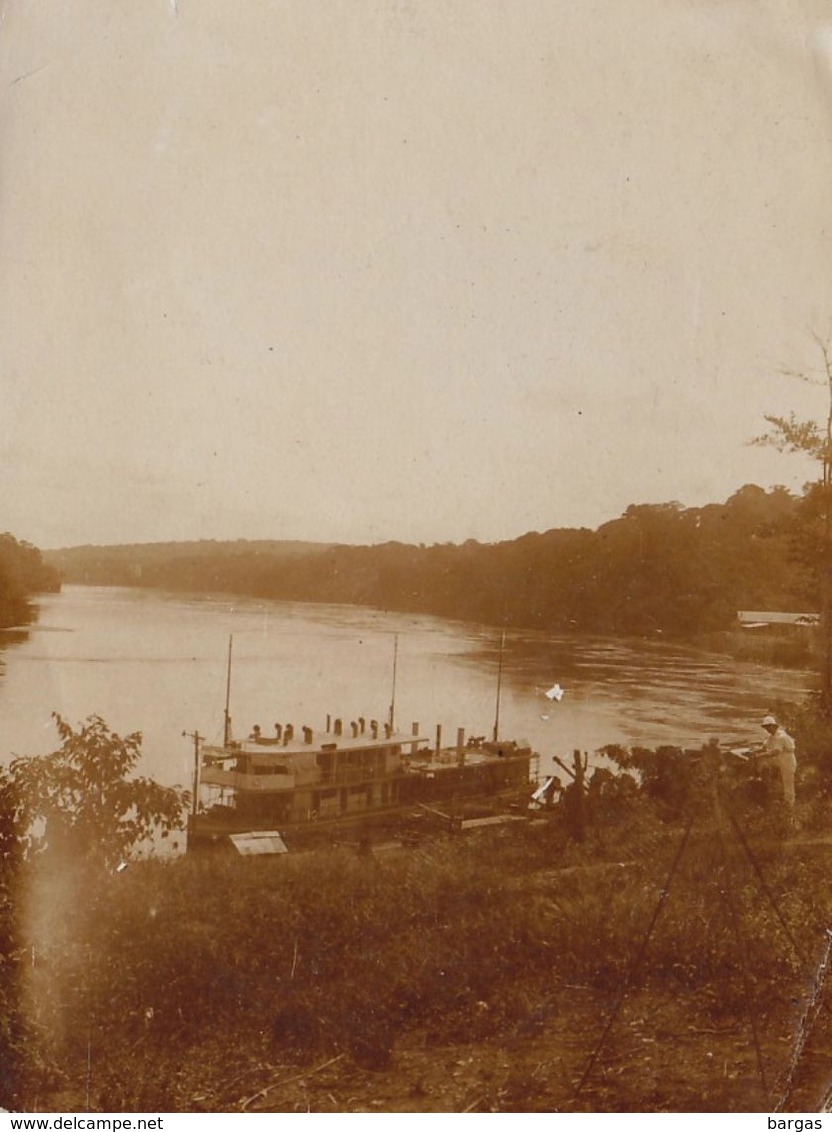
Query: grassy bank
[[182, 986]]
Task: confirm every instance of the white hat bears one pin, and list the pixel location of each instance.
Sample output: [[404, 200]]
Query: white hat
[[769, 721]]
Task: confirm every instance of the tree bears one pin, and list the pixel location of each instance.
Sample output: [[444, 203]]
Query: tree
[[80, 805], [84, 799], [22, 574], [813, 439]]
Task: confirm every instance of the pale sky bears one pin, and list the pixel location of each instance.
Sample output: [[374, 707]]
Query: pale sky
[[425, 270]]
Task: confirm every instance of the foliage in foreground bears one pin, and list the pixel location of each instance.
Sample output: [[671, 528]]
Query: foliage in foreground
[[462, 939], [75, 812], [84, 800]]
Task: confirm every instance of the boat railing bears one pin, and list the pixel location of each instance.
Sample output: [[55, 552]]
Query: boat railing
[[341, 776], [258, 783]]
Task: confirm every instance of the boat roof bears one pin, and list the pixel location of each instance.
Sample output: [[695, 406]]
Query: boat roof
[[322, 741]]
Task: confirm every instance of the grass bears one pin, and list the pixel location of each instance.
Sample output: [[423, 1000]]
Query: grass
[[146, 988]]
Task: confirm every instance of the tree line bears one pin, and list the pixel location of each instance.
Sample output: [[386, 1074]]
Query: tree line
[[658, 568], [23, 573]]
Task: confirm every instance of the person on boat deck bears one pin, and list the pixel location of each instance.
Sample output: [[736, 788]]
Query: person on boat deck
[[777, 752], [255, 732]]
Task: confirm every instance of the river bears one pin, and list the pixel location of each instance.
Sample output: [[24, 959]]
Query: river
[[157, 663]]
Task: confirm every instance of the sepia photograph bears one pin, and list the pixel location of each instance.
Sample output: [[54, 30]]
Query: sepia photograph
[[415, 559]]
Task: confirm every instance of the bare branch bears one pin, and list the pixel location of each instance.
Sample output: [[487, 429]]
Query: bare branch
[[808, 378]]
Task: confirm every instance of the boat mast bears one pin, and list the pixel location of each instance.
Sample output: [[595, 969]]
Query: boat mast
[[393, 692], [226, 731], [499, 686], [197, 738]]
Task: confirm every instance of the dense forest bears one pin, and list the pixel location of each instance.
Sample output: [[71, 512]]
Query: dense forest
[[658, 568], [23, 573], [158, 564]]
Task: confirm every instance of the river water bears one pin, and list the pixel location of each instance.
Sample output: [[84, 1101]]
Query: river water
[[157, 663]]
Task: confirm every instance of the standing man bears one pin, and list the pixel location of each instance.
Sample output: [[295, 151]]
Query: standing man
[[778, 753]]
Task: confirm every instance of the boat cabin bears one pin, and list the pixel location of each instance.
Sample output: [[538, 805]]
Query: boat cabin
[[285, 780]]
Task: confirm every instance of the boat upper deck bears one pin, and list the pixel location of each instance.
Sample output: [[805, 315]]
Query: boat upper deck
[[310, 742]]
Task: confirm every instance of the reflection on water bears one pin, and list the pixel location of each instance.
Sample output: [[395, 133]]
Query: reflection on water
[[156, 663]]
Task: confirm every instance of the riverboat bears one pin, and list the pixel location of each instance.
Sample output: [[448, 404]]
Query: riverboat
[[292, 788], [271, 793]]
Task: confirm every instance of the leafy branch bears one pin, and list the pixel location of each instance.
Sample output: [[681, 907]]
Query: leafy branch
[[84, 798]]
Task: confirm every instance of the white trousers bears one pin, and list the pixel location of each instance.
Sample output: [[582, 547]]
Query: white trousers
[[786, 763]]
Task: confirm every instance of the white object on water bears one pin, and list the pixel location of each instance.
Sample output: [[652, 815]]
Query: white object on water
[[555, 693]]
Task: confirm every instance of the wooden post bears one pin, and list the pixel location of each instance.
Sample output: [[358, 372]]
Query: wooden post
[[499, 687], [392, 716], [576, 811], [226, 731], [197, 738]]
